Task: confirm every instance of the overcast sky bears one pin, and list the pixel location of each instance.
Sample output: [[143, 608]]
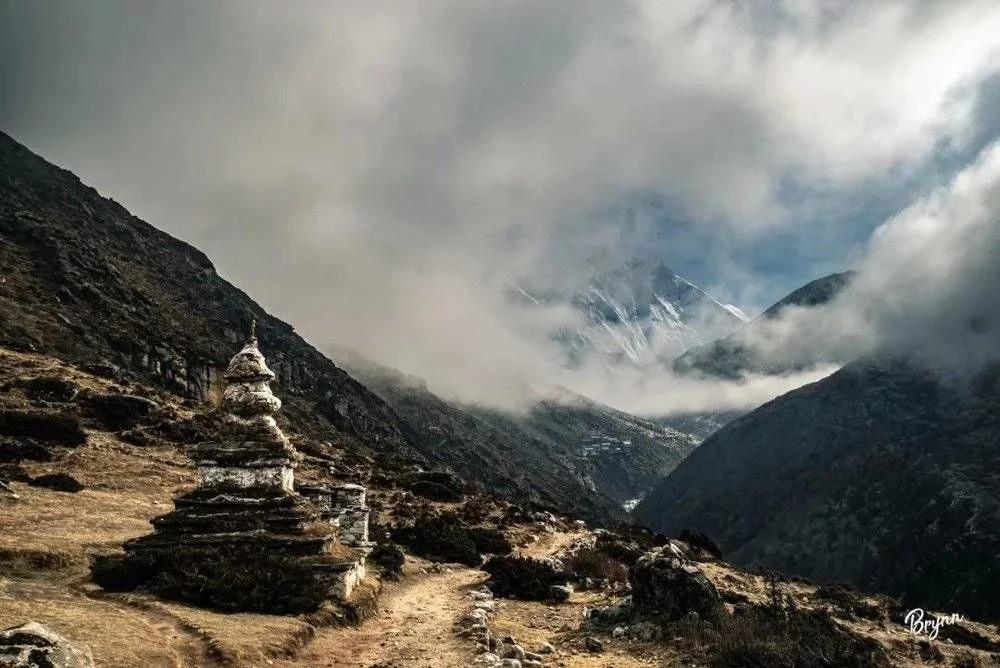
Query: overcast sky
[[375, 172]]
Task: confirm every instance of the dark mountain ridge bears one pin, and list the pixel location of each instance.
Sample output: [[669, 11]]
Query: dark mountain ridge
[[738, 354], [881, 475]]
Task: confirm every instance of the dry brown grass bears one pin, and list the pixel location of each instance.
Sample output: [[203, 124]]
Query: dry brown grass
[[531, 623], [124, 490], [118, 636], [48, 537]]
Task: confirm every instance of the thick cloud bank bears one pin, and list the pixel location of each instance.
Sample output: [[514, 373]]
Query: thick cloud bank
[[380, 177]]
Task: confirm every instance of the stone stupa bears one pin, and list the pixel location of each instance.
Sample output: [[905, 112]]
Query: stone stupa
[[245, 499]]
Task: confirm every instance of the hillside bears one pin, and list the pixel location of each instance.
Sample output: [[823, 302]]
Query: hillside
[[422, 617], [555, 447], [879, 475], [85, 281]]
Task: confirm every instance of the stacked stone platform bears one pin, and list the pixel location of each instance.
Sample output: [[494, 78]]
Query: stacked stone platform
[[245, 499]]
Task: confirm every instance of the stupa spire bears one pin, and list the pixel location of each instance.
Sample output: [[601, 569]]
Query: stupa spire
[[248, 393]]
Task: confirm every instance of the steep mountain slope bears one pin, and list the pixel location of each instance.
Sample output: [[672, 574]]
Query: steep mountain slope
[[879, 475], [737, 355], [85, 281], [618, 454], [639, 312], [572, 447]]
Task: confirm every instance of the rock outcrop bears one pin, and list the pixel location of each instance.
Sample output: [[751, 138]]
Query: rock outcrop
[[32, 645], [666, 584]]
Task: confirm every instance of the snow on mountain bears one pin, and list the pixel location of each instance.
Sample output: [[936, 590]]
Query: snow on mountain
[[640, 312]]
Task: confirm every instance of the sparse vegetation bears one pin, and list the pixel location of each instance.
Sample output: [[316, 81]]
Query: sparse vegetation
[[522, 577], [760, 637], [60, 482], [390, 559], [596, 564], [441, 538], [434, 491], [42, 425]]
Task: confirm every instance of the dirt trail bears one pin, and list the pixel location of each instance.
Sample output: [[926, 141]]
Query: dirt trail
[[415, 628]]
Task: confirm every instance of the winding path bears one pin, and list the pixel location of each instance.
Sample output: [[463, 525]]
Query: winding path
[[415, 628]]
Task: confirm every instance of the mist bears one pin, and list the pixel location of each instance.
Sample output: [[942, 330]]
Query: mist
[[380, 178]]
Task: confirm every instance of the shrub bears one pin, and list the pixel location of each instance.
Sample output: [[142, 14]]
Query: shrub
[[700, 540], [119, 411], [759, 638], [16, 450], [476, 509], [618, 549], [522, 577], [848, 602], [443, 478], [440, 538], [118, 572], [47, 426], [489, 540], [13, 472], [390, 559], [596, 564], [60, 482], [641, 535], [434, 491], [47, 388]]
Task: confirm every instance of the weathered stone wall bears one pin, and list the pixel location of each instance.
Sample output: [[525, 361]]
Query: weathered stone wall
[[276, 477]]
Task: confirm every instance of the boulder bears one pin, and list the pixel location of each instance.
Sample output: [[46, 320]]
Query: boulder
[[32, 645], [664, 584], [560, 593]]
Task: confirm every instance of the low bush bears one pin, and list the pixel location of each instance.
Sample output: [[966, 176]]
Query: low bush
[[619, 549], [389, 558], [118, 411], [14, 450], [701, 540], [13, 473], [642, 535], [46, 426], [489, 540], [60, 482], [522, 577], [434, 491], [596, 564], [849, 602], [118, 572], [758, 637], [47, 388], [476, 509], [440, 538]]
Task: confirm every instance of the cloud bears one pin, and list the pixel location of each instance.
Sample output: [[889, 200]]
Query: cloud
[[378, 177], [926, 288]]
